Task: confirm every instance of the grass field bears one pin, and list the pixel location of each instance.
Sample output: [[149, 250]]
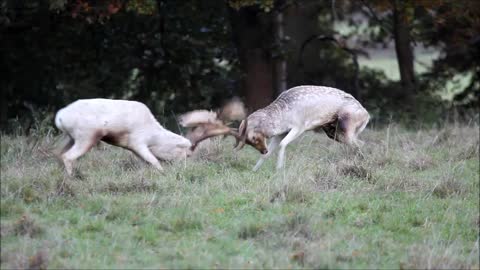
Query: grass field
[[412, 202]]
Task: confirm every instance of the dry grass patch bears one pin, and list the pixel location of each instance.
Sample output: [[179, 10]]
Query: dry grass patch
[[328, 179], [141, 185], [64, 187], [291, 193], [404, 183], [420, 162], [362, 171], [27, 226], [468, 151], [449, 186], [443, 256], [132, 163], [18, 260]]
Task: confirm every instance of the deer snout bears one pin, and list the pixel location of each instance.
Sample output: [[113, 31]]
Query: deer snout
[[264, 151]]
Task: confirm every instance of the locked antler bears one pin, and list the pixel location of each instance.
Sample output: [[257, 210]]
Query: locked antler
[[205, 124], [208, 130]]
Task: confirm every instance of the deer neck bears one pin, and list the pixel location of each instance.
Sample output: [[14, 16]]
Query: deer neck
[[270, 122]]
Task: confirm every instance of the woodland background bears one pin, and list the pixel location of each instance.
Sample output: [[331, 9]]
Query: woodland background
[[410, 60]]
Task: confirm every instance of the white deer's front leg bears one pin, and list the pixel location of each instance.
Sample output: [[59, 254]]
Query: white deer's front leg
[[272, 146], [143, 152], [292, 135]]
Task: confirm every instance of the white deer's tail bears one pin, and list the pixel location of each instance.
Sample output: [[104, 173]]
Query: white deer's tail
[[58, 121]]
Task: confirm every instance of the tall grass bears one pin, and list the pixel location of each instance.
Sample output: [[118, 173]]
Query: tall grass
[[410, 202]]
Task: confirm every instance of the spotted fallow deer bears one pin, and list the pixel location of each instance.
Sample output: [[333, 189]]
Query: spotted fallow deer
[[301, 109]]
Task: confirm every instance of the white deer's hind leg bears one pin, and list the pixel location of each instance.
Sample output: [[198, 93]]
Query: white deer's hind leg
[[272, 146], [66, 143], [292, 135], [79, 148]]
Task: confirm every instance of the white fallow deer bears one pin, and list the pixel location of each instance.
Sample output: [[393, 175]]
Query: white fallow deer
[[301, 109], [123, 123]]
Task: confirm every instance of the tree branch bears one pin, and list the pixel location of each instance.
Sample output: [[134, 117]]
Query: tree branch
[[334, 14], [382, 23], [340, 44]]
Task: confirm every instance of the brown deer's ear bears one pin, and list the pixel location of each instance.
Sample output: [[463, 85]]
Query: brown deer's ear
[[242, 130]]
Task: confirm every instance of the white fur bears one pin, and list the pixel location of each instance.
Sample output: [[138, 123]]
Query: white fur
[[127, 124]]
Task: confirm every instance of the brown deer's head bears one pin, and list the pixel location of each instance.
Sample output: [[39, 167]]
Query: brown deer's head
[[205, 124], [251, 137]]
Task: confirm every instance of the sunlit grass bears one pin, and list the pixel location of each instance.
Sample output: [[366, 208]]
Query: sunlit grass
[[386, 61]]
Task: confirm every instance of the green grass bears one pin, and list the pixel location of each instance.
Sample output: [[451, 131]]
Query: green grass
[[411, 203]]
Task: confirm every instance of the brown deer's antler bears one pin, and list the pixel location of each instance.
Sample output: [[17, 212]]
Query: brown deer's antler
[[205, 124], [233, 110], [208, 130]]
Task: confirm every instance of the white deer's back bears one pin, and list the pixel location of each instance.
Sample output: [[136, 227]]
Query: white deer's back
[[105, 113]]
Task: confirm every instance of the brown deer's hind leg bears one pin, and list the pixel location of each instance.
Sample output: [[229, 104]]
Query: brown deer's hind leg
[[346, 129], [331, 130], [350, 128]]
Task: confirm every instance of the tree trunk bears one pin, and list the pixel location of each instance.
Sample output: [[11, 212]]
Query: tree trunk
[[4, 106], [280, 68], [252, 35], [301, 22], [403, 47]]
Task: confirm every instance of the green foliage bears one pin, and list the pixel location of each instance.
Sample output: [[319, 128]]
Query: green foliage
[[179, 55], [265, 5], [450, 26], [144, 7], [171, 56]]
